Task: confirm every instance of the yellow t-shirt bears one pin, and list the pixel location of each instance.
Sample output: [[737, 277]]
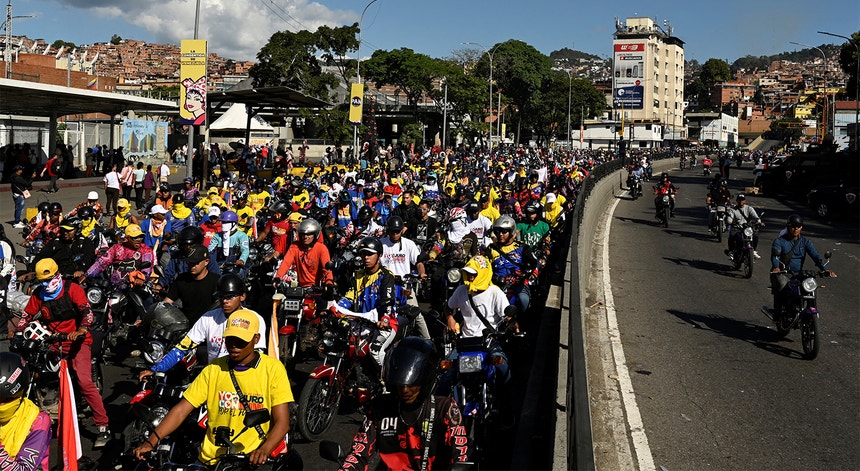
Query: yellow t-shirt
[[257, 201], [491, 213], [246, 216], [265, 385]]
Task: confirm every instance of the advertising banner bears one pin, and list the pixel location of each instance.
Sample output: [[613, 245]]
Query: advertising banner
[[629, 76], [356, 103], [192, 76], [142, 138]]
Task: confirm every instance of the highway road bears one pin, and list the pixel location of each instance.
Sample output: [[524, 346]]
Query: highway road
[[713, 385]]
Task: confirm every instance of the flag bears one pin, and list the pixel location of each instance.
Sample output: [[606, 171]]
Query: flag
[[68, 432], [581, 132], [273, 336], [254, 228], [93, 84]]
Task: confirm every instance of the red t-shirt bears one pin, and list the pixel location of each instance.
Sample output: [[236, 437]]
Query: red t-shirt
[[280, 231], [78, 298], [209, 231]]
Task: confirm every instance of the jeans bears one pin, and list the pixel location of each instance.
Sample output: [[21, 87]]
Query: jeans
[[112, 195], [19, 206]]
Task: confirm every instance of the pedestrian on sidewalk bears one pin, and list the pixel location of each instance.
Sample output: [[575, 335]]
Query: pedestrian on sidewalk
[[148, 183], [53, 167], [112, 187], [163, 172], [21, 187], [126, 177], [139, 175], [88, 161]]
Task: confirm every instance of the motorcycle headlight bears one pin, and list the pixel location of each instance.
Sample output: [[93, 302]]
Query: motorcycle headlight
[[454, 275], [721, 209], [252, 253], [748, 232], [470, 363], [95, 295], [809, 284], [666, 199], [158, 414], [154, 352]]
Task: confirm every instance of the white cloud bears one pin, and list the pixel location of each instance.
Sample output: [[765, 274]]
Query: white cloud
[[236, 29]]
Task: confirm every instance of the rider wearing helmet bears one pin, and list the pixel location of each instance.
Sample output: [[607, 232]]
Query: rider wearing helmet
[[196, 286], [180, 215], [131, 255], [162, 197], [259, 198], [308, 257], [231, 245], [72, 252], [345, 211], [208, 329], [186, 238], [515, 265], [27, 444], [372, 295], [533, 230], [62, 307], [243, 211], [47, 229], [400, 255], [410, 373], [91, 202], [279, 226], [366, 225], [477, 223], [189, 191], [664, 187]]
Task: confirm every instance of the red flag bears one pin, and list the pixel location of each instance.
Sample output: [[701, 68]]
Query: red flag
[[69, 434], [254, 228]]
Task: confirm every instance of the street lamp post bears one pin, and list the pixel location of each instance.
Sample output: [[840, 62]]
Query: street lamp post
[[358, 76], [856, 86], [489, 53], [824, 77], [445, 115]]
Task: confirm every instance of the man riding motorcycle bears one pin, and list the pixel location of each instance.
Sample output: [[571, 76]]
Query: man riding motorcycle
[[131, 255], [718, 195], [664, 187], [308, 257], [231, 245], [514, 264], [736, 218]]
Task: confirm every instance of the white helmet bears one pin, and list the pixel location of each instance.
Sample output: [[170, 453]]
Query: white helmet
[[92, 195]]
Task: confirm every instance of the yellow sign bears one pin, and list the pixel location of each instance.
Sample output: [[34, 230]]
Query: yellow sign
[[192, 72], [356, 103]]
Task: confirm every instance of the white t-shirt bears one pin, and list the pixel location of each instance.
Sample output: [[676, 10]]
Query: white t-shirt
[[164, 172], [491, 302], [112, 180], [209, 329], [400, 256], [481, 228]]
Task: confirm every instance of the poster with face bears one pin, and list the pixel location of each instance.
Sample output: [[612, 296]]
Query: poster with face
[[192, 97]]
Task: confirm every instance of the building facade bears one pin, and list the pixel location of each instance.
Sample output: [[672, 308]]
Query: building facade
[[648, 78]]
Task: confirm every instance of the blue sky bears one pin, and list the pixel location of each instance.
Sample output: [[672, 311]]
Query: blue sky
[[726, 29]]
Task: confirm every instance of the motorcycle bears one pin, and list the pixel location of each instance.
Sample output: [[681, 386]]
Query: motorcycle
[[634, 183], [743, 253], [665, 211], [799, 307], [41, 350], [348, 369], [718, 221], [298, 312], [683, 162], [706, 166], [234, 461]]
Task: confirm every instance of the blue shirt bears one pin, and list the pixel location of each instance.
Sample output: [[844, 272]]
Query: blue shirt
[[803, 248]]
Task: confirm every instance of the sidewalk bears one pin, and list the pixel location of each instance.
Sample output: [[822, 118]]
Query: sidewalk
[[89, 181]]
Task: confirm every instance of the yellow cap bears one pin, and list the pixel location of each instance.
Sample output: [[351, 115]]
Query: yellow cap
[[296, 217], [133, 230], [46, 268], [243, 324], [122, 203]]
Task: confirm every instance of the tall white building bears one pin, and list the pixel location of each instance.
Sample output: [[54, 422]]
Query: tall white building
[[648, 81]]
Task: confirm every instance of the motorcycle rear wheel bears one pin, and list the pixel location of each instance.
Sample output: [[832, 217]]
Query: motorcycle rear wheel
[[318, 405], [810, 336], [748, 263]]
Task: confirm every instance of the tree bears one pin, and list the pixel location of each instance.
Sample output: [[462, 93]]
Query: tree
[[715, 71], [335, 44], [60, 43], [115, 39], [848, 58], [409, 72], [289, 59], [467, 100]]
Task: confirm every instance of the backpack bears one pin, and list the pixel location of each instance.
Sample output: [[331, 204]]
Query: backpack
[[56, 167]]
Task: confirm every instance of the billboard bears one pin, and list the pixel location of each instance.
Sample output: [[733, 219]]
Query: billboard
[[628, 79], [192, 72], [141, 138]]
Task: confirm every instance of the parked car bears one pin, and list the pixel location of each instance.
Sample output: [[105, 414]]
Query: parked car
[[829, 201], [799, 173]]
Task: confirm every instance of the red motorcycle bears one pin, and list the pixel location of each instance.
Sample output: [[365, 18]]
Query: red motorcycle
[[298, 312]]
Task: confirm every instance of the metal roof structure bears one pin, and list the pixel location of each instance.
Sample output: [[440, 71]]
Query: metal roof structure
[[19, 97], [268, 97]]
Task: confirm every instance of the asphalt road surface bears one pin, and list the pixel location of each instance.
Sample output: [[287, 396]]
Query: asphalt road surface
[[715, 387]]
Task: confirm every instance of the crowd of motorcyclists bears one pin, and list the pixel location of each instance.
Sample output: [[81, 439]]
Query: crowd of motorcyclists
[[467, 233]]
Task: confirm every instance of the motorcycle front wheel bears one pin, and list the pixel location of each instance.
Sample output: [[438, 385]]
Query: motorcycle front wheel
[[318, 405], [809, 336], [748, 263], [666, 217], [783, 326], [720, 229]]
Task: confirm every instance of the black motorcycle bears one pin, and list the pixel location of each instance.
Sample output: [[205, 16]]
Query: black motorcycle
[[743, 254]]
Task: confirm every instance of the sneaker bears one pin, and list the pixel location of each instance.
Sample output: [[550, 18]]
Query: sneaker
[[756, 255], [102, 438], [19, 225]]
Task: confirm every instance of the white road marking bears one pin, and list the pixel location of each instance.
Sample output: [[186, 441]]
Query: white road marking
[[631, 409]]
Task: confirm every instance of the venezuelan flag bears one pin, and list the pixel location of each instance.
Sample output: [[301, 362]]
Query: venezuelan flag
[[93, 84]]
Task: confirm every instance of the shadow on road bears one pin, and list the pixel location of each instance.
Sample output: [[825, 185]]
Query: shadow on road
[[757, 335]]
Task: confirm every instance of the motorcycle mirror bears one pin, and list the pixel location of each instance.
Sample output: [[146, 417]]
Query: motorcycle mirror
[[331, 451], [158, 271], [329, 265], [828, 254], [257, 417], [512, 311]]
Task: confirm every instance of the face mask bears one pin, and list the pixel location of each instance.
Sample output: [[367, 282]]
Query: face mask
[[8, 409], [53, 285]]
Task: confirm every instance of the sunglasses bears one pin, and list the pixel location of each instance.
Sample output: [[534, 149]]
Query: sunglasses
[[138, 238], [228, 297], [794, 227], [501, 231]]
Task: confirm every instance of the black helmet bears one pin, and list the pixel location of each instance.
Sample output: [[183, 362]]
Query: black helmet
[[15, 374], [178, 198], [794, 221], [241, 194], [664, 175], [230, 284], [370, 244], [310, 226], [191, 235], [532, 207], [365, 213], [86, 213], [44, 206], [344, 197], [280, 207], [472, 207], [412, 362], [164, 188], [724, 183], [394, 224], [56, 208]]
